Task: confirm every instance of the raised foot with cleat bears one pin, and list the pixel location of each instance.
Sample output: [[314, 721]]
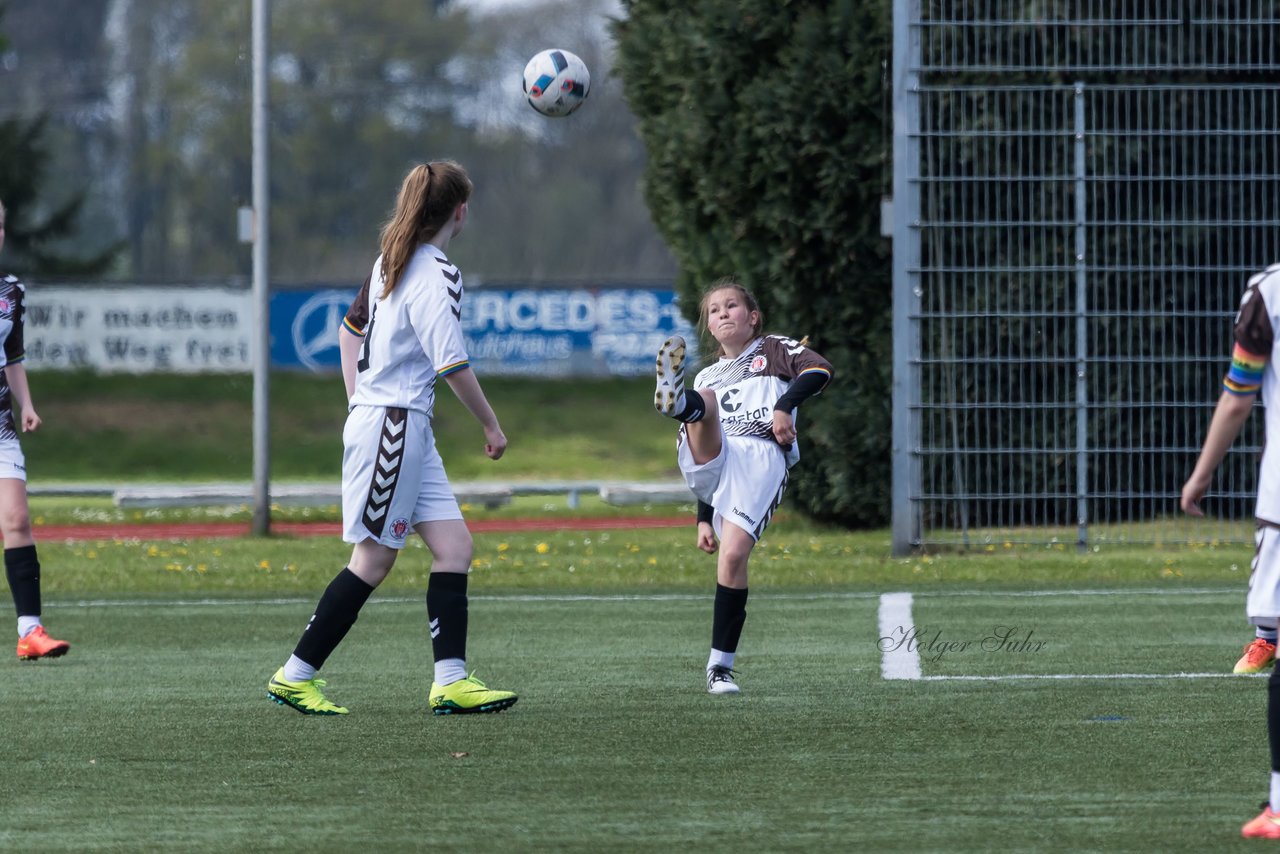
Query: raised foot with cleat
[[468, 697], [669, 394], [306, 696]]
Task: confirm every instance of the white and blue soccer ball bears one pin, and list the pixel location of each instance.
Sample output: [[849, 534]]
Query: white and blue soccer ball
[[556, 82]]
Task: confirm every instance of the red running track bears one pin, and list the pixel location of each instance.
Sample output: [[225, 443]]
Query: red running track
[[204, 530]]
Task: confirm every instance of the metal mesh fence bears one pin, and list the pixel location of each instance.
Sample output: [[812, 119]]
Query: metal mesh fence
[[1086, 196]]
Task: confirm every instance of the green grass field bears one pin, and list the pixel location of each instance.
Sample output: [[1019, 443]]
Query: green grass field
[[124, 428], [1105, 721], [155, 732]]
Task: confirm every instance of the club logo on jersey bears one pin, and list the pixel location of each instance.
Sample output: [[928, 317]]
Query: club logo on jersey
[[5, 307], [758, 364], [399, 528]]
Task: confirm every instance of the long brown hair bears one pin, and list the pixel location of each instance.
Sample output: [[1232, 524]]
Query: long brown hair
[[429, 196], [747, 297]]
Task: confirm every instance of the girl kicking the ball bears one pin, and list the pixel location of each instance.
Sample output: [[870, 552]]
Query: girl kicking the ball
[[737, 442]]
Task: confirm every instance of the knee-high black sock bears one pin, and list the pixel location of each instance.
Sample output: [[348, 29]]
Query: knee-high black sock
[[694, 407], [447, 611], [23, 570], [729, 614], [335, 614]]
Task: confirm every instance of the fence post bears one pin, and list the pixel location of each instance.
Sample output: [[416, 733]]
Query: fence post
[[1082, 331], [906, 267]]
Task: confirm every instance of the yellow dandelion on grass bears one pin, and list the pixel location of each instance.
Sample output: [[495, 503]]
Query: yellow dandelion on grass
[[542, 548], [264, 564]]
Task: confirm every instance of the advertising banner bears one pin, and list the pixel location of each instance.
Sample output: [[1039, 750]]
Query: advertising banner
[[509, 331], [530, 331], [138, 329]]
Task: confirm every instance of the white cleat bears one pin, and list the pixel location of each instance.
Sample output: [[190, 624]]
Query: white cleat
[[668, 398], [720, 681]]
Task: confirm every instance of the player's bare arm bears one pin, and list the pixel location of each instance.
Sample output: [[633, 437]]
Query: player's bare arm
[[349, 352], [1228, 417], [16, 374], [468, 391]]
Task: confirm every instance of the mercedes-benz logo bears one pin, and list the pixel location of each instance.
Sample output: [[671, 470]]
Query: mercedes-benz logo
[[312, 336]]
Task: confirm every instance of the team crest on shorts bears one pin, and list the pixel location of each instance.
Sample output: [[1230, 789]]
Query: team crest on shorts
[[399, 528], [758, 364]]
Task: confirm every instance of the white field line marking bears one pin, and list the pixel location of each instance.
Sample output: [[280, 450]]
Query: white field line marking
[[400, 600], [1029, 676], [641, 597], [1118, 591], [898, 659]]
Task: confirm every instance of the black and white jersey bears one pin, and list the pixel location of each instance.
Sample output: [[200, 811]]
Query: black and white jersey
[[412, 336], [748, 387], [12, 311]]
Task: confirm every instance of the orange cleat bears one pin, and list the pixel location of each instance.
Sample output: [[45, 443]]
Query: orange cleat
[[1265, 826], [38, 644], [1257, 657]]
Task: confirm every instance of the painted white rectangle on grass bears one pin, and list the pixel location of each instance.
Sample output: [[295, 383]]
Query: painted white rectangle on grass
[[899, 658]]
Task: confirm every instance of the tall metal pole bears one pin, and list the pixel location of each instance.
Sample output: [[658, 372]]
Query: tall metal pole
[[906, 265], [261, 349], [1082, 329]]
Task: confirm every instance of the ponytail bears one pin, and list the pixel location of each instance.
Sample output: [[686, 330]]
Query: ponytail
[[429, 196]]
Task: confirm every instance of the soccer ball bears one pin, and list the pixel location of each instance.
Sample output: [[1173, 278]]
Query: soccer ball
[[556, 82]]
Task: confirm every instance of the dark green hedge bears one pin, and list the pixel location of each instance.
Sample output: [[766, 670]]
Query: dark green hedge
[[768, 154]]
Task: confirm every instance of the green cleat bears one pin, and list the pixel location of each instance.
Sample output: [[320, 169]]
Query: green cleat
[[468, 696], [303, 696]]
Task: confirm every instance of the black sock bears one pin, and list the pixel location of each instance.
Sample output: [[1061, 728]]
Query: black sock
[[23, 570], [1273, 718], [694, 407], [335, 614], [447, 612], [730, 612]]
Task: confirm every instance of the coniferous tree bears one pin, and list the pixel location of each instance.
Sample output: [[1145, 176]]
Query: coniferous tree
[[765, 134]]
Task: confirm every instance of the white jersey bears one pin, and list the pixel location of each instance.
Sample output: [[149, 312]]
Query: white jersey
[[748, 386], [1254, 369], [413, 336]]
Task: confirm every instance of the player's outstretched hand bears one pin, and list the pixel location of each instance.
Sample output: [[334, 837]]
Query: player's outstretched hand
[[707, 538], [495, 442]]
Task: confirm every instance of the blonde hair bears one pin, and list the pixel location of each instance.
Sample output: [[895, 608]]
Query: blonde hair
[[727, 283], [429, 196]]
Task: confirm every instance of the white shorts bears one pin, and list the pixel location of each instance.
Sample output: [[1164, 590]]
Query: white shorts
[[13, 465], [744, 483], [1262, 605], [392, 476]]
